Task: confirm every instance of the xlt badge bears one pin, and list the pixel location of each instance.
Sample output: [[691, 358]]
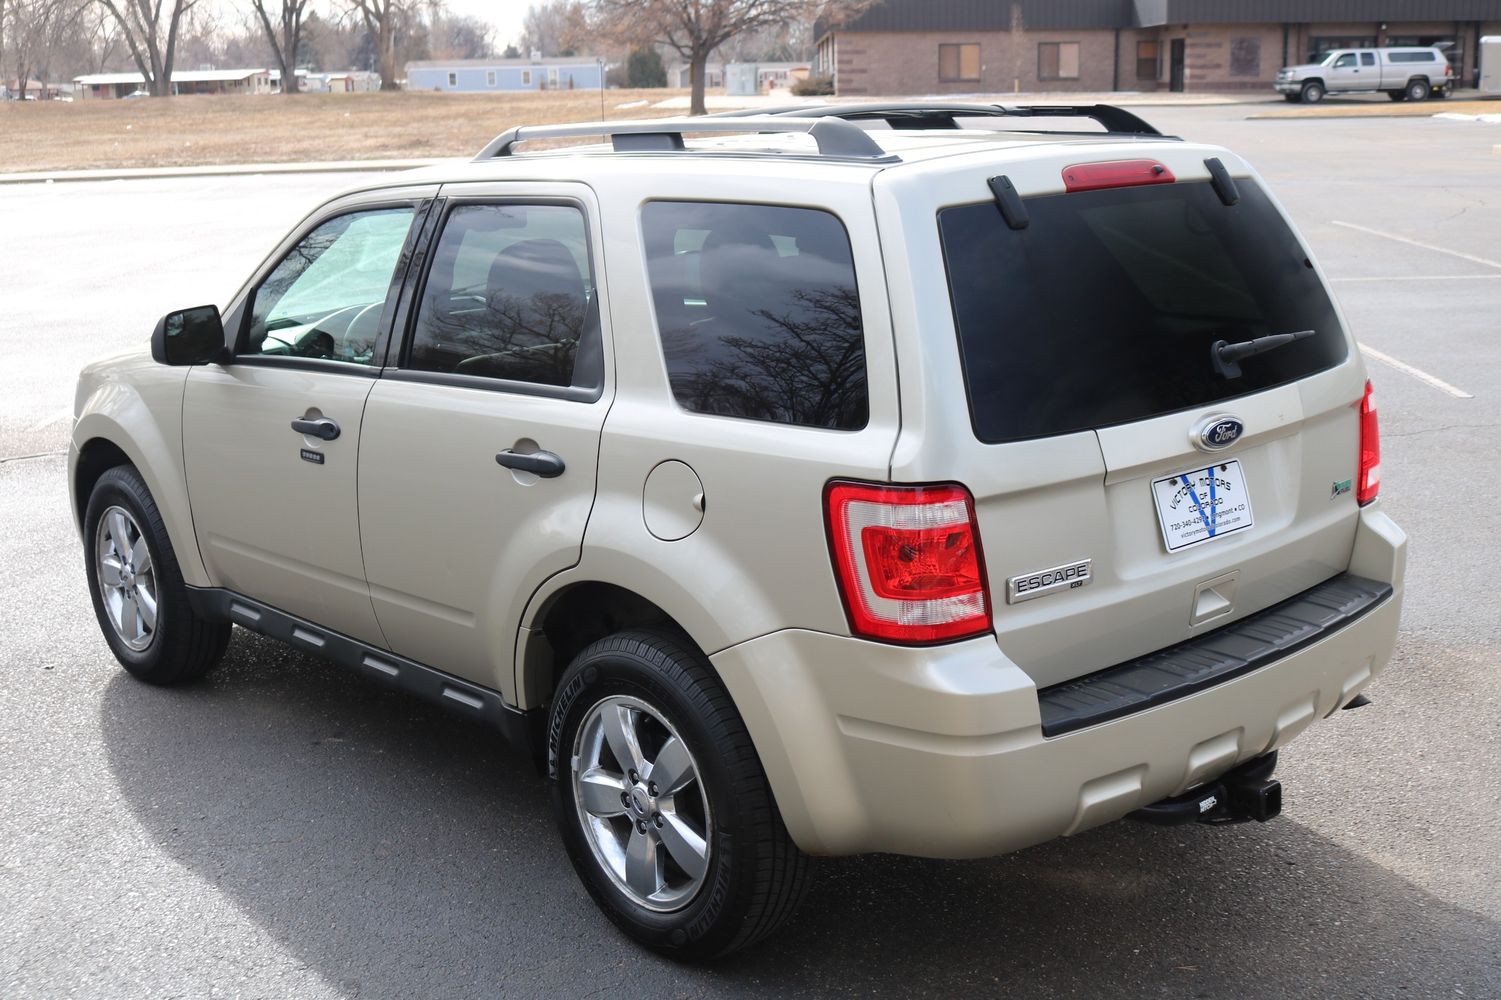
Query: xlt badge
[[1048, 581]]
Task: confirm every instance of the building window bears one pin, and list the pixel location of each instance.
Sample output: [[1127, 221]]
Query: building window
[[1245, 56], [1146, 61], [1058, 61], [959, 63], [453, 79], [1319, 45], [489, 78], [526, 78]]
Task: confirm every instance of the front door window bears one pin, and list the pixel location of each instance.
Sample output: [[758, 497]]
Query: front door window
[[325, 299]]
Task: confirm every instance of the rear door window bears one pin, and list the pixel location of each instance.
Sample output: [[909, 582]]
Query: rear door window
[[1104, 310], [510, 296], [758, 312]]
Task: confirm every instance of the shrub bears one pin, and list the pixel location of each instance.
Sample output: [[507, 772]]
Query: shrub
[[814, 86]]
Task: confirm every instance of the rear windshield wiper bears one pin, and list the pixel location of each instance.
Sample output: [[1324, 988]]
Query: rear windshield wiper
[[1227, 356]]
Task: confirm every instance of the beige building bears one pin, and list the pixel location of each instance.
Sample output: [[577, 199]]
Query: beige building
[[205, 81], [991, 46]]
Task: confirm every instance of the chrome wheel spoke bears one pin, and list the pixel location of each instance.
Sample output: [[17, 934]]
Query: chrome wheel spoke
[[140, 556], [685, 844], [130, 616], [625, 742], [643, 864], [111, 570], [601, 791], [673, 768], [119, 530], [146, 602]]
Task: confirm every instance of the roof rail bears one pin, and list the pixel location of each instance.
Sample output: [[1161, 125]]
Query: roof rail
[[836, 139], [929, 115]]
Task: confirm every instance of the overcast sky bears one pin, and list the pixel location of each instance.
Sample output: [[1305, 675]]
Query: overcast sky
[[506, 15]]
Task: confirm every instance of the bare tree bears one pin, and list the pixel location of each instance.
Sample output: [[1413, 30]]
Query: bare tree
[[695, 28], [33, 31], [285, 36], [555, 28], [150, 33], [102, 36], [383, 19]]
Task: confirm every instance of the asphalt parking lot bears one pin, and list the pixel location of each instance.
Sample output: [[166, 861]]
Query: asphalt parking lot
[[287, 829]]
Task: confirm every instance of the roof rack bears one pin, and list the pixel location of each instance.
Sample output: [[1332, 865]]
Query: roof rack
[[836, 139], [928, 115]]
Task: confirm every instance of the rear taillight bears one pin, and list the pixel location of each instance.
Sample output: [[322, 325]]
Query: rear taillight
[[1115, 174], [1369, 482], [908, 561]]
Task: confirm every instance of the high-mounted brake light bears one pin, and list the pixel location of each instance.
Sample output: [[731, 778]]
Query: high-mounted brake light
[[908, 561], [1115, 174], [1369, 482]]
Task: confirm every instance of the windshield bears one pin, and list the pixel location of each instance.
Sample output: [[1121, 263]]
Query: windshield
[[1107, 307]]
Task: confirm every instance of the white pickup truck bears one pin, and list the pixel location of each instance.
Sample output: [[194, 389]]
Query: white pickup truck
[[1403, 74]]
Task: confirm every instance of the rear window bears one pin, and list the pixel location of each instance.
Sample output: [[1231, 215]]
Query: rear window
[[1104, 310], [758, 312]]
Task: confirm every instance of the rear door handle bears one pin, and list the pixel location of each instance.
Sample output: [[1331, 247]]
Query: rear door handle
[[322, 427], [539, 463]]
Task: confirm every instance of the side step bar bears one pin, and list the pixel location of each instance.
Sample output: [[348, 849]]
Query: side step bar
[[472, 701], [1243, 793]]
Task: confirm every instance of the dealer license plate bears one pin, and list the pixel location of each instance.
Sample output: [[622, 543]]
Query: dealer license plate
[[1199, 506]]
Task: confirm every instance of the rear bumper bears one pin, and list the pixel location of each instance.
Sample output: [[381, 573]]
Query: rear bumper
[[940, 752]]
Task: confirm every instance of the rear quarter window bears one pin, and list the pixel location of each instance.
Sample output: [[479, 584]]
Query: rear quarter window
[[758, 312]]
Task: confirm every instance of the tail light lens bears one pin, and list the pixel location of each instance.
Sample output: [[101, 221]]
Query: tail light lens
[[1369, 483], [908, 561]]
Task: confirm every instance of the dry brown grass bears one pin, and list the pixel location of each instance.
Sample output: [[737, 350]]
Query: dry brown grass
[[190, 131]]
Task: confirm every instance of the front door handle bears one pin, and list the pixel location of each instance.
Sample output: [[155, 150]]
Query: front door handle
[[539, 463], [320, 428]]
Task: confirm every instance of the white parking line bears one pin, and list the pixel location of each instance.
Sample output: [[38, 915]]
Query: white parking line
[[1417, 373], [1420, 244], [1428, 277]]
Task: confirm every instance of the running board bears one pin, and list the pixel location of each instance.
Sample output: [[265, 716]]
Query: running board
[[485, 706]]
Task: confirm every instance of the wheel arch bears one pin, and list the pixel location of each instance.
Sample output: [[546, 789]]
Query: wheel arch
[[571, 615], [120, 428]]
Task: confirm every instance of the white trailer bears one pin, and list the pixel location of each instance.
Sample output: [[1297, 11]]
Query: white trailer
[[1490, 64]]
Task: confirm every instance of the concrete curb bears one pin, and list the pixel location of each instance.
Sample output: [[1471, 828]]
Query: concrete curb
[[214, 170]]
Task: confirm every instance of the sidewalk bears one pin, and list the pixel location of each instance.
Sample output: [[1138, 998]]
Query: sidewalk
[[214, 170], [1129, 98]]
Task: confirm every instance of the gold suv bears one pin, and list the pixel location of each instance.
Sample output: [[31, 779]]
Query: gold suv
[[930, 479]]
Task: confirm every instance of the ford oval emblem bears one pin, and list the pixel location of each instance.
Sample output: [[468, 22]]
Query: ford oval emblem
[[1219, 433]]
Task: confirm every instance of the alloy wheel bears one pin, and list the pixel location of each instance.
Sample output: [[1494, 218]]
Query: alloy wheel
[[127, 578], [641, 803]]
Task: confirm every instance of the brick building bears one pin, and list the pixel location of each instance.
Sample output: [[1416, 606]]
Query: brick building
[[996, 46]]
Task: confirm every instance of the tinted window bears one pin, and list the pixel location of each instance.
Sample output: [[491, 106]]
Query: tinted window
[[1411, 57], [1367, 59], [324, 300], [509, 295], [1105, 308], [758, 313]]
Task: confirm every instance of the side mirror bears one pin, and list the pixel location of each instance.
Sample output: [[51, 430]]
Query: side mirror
[[189, 337]]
